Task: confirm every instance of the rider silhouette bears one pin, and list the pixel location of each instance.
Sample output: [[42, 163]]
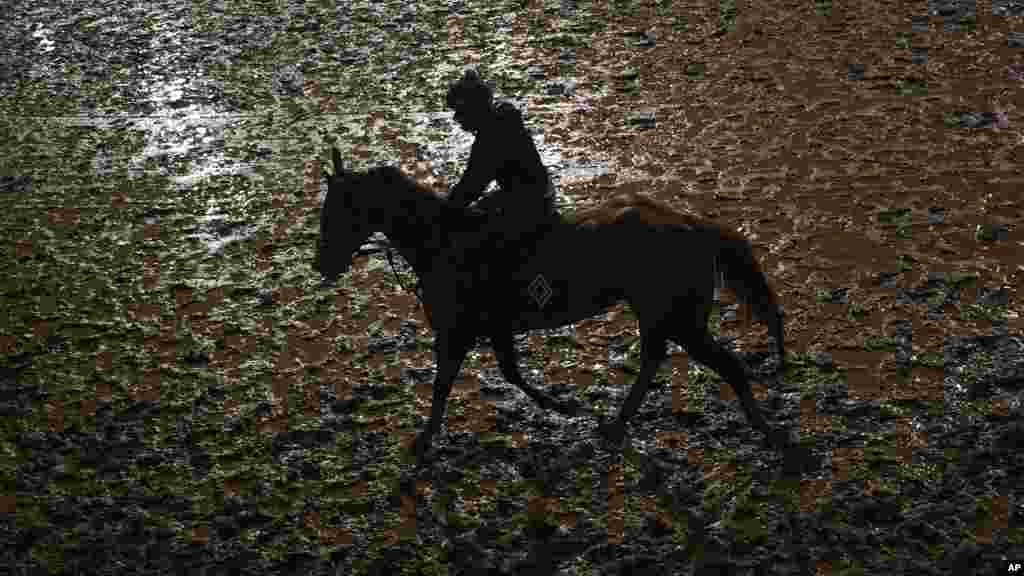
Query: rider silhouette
[[503, 150]]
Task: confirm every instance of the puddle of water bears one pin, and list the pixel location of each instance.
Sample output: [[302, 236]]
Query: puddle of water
[[216, 232], [183, 131], [583, 170], [44, 34], [192, 134], [180, 131]]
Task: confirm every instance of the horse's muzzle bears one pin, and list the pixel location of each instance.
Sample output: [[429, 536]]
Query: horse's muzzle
[[328, 274], [328, 278]]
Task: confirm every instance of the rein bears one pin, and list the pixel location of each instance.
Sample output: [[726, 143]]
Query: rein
[[416, 291]]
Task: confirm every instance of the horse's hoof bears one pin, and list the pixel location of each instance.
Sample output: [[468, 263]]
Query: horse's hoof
[[545, 403], [795, 460], [419, 449], [779, 439], [569, 408], [613, 432]]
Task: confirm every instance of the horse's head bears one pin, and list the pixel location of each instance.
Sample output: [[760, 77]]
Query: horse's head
[[345, 219]]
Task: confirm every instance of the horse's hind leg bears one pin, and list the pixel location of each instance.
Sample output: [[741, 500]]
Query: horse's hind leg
[[703, 348], [652, 352], [504, 349]]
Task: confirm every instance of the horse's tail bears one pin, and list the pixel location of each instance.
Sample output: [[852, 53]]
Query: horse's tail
[[737, 269]]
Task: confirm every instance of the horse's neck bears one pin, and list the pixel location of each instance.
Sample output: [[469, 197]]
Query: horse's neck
[[419, 240]]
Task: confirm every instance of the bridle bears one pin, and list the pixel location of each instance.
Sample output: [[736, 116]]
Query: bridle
[[418, 291]]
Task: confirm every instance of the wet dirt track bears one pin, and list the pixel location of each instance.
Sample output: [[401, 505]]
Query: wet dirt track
[[179, 392]]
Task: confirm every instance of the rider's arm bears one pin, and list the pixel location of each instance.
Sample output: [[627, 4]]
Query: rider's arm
[[480, 171]]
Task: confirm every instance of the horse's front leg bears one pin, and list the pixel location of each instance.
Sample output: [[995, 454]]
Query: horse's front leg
[[505, 351], [450, 348]]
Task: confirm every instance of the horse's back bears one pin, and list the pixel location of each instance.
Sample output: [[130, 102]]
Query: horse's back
[[634, 211]]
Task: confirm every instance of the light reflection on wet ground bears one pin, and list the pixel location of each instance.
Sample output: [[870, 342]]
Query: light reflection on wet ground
[[186, 141]]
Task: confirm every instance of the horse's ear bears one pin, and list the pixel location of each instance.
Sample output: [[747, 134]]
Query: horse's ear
[[335, 168], [326, 170], [339, 169]]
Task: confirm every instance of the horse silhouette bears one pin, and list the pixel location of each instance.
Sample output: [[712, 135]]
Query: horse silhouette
[[613, 252]]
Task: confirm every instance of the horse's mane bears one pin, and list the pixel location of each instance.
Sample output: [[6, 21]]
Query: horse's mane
[[410, 192]]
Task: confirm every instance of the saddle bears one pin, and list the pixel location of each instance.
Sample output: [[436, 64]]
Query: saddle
[[498, 244]]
